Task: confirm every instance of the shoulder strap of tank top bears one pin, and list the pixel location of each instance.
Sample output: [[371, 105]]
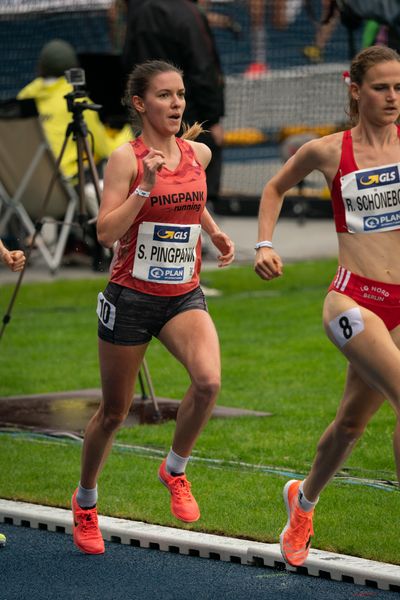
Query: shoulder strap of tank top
[[347, 160]]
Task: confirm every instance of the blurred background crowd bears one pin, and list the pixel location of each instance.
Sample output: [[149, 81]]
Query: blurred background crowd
[[262, 75]]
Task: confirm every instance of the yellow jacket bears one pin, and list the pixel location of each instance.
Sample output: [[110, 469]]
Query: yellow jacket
[[52, 106]]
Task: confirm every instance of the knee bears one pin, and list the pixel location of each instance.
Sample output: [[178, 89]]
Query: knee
[[207, 388], [348, 430], [111, 421]]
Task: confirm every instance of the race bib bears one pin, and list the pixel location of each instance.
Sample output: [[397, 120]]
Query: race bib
[[371, 199], [166, 252], [347, 325], [105, 311]]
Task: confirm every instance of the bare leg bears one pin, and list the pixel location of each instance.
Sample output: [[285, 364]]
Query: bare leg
[[191, 337], [325, 31], [396, 435], [119, 366], [258, 31], [396, 449], [358, 405], [374, 359]]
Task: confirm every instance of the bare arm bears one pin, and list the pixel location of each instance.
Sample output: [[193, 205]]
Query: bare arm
[[220, 239], [117, 209], [268, 263]]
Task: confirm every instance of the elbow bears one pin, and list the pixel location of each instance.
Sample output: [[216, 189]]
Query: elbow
[[104, 238], [105, 242]]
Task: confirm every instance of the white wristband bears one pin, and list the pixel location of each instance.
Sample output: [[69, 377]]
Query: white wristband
[[264, 244], [142, 193]]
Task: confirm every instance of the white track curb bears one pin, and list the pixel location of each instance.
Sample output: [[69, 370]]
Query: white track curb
[[319, 564]]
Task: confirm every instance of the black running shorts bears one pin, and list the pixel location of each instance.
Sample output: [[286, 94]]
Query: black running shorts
[[129, 318]]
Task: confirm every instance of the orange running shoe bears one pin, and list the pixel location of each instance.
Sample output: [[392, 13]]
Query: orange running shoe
[[87, 534], [183, 503], [295, 538]]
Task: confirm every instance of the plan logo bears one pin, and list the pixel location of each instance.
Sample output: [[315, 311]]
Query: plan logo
[[166, 274], [381, 221], [377, 177], [171, 233]]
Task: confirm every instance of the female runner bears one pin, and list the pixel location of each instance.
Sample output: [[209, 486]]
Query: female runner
[[361, 312], [153, 205]]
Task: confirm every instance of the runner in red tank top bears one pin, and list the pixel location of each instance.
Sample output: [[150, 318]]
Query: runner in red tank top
[[177, 199], [362, 308], [153, 210]]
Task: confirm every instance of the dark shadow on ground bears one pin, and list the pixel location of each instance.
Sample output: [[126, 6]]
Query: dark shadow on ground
[[71, 411]]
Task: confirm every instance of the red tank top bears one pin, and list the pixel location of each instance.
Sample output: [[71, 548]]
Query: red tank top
[[160, 254], [365, 200]]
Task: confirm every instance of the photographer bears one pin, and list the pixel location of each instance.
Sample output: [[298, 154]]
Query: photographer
[[49, 91]]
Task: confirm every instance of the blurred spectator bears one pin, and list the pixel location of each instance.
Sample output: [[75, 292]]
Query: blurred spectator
[[219, 19], [258, 40], [283, 13], [117, 25], [371, 31], [178, 31], [325, 28], [49, 90], [375, 33]]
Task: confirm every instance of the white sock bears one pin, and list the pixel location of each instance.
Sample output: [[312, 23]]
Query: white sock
[[176, 463], [86, 498], [305, 504]]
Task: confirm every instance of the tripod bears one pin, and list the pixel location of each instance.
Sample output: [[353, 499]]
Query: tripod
[[77, 128]]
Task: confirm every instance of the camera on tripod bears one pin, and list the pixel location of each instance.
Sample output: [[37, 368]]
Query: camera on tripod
[[76, 77]]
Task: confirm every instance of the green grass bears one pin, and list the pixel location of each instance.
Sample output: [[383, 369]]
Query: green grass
[[275, 358]]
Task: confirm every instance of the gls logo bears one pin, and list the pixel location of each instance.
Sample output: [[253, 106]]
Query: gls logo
[[377, 177], [168, 233]]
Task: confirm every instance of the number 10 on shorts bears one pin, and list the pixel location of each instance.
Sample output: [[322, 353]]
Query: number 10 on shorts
[[105, 311]]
